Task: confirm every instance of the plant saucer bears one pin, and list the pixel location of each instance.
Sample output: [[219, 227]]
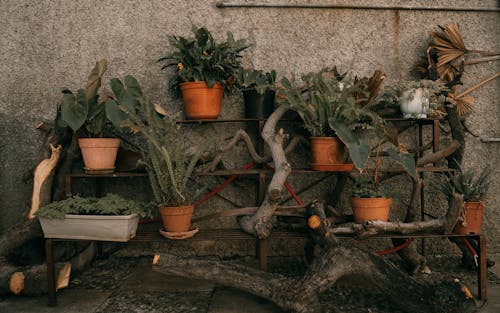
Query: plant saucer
[[92, 171], [179, 235]]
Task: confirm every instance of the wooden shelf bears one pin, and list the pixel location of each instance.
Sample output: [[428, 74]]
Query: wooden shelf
[[110, 175]]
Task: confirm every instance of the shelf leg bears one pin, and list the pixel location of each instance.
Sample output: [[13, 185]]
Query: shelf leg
[[262, 253], [51, 275], [482, 278]]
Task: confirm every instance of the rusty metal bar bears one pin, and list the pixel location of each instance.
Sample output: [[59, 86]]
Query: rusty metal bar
[[482, 275], [223, 5], [51, 272]]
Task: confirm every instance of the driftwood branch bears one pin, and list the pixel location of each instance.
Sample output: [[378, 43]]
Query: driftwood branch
[[242, 135], [260, 223], [442, 225], [42, 182]]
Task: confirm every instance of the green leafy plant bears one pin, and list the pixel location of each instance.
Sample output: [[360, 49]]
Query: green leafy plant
[[202, 58], [473, 187], [84, 112], [111, 204], [168, 165], [366, 187], [332, 104], [434, 91], [258, 80]]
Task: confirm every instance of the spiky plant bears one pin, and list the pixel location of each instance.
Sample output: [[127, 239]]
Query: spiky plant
[[333, 104], [168, 165], [473, 187]]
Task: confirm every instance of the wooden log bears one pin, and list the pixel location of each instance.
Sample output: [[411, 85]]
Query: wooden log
[[335, 261], [32, 280]]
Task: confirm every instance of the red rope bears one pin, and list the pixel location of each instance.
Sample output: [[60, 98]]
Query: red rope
[[397, 248], [469, 246], [294, 195], [221, 186]]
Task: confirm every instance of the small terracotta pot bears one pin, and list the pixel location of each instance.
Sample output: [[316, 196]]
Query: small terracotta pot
[[177, 218], [327, 150], [473, 219], [201, 101], [366, 209], [99, 153]]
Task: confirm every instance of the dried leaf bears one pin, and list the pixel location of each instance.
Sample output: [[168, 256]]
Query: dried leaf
[[160, 110], [464, 105], [452, 30]]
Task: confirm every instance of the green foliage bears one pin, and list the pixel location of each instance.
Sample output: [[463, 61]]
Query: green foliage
[[168, 165], [84, 112], [258, 80], [435, 91], [472, 187], [111, 204], [330, 104], [365, 187], [201, 58]]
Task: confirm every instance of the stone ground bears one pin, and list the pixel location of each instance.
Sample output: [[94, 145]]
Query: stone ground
[[128, 285]]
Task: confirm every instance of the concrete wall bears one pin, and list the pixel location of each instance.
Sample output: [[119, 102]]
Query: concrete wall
[[46, 45]]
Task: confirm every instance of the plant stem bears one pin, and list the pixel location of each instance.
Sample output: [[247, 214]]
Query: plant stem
[[481, 60], [484, 81]]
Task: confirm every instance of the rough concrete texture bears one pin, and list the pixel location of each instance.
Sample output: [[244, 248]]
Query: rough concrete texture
[[46, 45]]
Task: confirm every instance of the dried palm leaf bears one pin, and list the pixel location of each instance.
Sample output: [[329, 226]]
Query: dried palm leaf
[[465, 105], [452, 31]]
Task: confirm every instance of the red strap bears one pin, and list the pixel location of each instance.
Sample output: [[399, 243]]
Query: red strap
[[221, 186]]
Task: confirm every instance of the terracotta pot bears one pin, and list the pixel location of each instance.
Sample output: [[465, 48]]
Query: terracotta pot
[[473, 219], [327, 150], [176, 218], [200, 101], [365, 209], [99, 153]]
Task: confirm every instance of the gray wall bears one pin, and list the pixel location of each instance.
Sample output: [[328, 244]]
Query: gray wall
[[46, 45]]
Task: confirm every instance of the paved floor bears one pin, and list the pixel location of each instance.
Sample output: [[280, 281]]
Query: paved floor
[[138, 291]]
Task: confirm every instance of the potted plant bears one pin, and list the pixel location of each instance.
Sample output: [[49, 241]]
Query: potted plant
[[416, 99], [87, 115], [474, 188], [258, 89], [370, 201], [164, 154], [204, 68], [110, 218], [335, 105]]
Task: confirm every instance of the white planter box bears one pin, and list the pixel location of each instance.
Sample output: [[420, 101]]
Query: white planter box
[[91, 227]]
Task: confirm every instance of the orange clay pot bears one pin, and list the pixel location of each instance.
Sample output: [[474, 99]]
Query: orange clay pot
[[200, 101], [99, 153], [176, 218], [366, 209], [473, 219], [327, 150]]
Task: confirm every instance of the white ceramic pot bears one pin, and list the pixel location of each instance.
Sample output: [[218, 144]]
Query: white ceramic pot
[[414, 103]]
